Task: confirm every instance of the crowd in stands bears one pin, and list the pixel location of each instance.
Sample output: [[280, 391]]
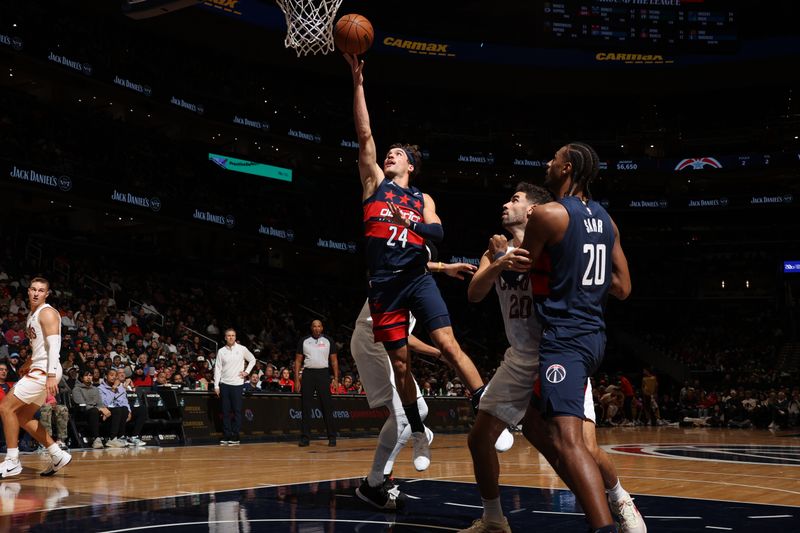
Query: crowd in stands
[[774, 407]]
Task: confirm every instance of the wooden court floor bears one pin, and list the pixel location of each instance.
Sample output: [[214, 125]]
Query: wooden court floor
[[751, 466]]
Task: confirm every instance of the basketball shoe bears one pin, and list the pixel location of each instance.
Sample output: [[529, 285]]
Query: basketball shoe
[[480, 526], [381, 498], [10, 468], [504, 442], [57, 462], [627, 516]]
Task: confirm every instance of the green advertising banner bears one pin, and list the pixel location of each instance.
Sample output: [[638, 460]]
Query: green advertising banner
[[251, 167]]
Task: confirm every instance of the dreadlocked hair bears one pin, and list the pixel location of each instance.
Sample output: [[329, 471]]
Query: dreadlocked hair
[[585, 166]]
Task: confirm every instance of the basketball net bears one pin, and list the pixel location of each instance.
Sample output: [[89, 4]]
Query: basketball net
[[309, 25]]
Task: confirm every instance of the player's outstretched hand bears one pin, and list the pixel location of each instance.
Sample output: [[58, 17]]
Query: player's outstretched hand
[[458, 270], [397, 215], [357, 68]]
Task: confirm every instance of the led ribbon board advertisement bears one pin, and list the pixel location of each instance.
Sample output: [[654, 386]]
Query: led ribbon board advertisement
[[791, 267], [251, 167]]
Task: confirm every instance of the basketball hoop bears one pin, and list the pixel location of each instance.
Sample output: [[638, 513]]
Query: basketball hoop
[[309, 25]]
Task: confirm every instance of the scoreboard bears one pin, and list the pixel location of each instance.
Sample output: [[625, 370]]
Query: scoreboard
[[700, 26]]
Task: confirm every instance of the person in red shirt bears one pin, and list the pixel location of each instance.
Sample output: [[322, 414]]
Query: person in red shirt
[[348, 386], [134, 329], [15, 335], [140, 379], [285, 384], [628, 392], [4, 385]]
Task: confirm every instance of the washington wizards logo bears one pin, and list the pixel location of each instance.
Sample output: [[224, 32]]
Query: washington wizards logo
[[555, 373], [698, 163], [728, 453]]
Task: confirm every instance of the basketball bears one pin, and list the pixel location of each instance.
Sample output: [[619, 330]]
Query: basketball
[[353, 34]]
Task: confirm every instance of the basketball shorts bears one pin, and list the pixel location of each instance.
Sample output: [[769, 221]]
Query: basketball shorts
[[588, 400], [375, 370], [31, 388], [392, 298], [565, 365], [508, 393]]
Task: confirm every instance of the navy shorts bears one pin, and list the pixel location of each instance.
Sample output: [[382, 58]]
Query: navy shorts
[[565, 365], [392, 298]]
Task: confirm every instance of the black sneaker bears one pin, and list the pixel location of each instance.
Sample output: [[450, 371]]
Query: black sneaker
[[332, 443], [303, 443], [389, 484], [379, 497]]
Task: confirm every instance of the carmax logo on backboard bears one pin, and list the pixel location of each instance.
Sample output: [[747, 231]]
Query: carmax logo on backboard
[[633, 59], [420, 47]]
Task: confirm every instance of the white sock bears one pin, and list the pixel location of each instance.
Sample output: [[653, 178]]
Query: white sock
[[492, 510], [386, 444], [12, 454], [53, 449], [617, 493]]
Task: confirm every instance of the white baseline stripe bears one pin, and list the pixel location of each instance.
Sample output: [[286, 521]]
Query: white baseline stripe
[[718, 527], [676, 517], [180, 524], [773, 516], [464, 505], [557, 512]]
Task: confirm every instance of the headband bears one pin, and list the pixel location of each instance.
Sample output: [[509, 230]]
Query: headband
[[410, 157]]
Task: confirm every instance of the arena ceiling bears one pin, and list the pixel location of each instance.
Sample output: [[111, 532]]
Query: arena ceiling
[[516, 25]]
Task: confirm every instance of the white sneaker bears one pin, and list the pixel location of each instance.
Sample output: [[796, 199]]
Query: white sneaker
[[479, 526], [627, 516], [97, 444], [115, 443], [422, 451], [504, 442], [136, 441], [10, 468], [58, 462]]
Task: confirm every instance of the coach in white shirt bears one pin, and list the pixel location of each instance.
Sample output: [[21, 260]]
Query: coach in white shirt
[[229, 376]]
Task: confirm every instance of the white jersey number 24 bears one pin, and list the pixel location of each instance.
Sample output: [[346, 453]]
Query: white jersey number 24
[[402, 239]]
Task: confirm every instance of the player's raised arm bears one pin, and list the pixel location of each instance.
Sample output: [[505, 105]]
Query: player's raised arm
[[620, 275], [483, 280], [368, 168]]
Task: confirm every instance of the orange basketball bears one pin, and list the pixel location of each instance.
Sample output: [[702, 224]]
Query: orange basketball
[[353, 34]]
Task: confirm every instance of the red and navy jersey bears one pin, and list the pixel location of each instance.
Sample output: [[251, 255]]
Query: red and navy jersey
[[580, 271], [393, 248]]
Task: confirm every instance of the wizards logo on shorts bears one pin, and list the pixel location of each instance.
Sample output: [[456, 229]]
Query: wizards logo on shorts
[[555, 373], [728, 453]]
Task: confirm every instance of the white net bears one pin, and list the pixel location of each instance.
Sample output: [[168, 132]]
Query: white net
[[309, 25]]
